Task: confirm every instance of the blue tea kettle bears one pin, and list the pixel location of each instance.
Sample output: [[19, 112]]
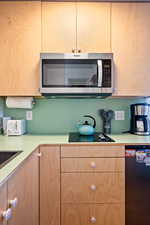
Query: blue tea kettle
[[86, 128]]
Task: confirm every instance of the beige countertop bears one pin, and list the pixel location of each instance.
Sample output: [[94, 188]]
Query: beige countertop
[[28, 143]]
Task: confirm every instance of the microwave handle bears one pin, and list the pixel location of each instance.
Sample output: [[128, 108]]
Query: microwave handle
[[100, 72]]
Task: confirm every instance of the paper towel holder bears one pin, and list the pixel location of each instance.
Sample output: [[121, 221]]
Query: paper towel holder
[[20, 102]]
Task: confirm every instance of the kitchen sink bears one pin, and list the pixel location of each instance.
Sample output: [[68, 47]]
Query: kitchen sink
[[7, 156]]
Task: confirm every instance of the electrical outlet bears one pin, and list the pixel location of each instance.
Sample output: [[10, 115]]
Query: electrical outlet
[[119, 115], [28, 115]]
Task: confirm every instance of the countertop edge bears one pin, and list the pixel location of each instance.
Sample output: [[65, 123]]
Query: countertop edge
[[29, 143]]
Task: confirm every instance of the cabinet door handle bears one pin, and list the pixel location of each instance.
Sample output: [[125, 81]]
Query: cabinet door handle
[[93, 164], [13, 203], [93, 219], [6, 215], [73, 50], [93, 187], [100, 72], [39, 154]]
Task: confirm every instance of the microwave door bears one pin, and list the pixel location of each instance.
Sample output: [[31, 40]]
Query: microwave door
[[100, 72]]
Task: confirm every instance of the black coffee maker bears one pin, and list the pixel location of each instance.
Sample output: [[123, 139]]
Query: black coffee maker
[[140, 119]]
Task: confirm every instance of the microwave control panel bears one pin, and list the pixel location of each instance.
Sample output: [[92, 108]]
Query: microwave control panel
[[106, 82]]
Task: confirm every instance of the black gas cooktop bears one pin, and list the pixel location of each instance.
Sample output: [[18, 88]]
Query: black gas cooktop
[[97, 137]]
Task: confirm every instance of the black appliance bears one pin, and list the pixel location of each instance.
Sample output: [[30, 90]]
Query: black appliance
[[140, 119], [137, 185], [97, 137]]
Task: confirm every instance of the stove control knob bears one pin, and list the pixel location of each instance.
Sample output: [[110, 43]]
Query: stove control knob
[[93, 164], [101, 136]]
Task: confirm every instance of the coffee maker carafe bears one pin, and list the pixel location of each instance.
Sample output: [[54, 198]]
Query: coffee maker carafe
[[140, 119]]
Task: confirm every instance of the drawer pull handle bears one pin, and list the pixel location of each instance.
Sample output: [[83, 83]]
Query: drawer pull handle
[[93, 187], [73, 50], [39, 154], [93, 164], [13, 203], [6, 215], [93, 219]]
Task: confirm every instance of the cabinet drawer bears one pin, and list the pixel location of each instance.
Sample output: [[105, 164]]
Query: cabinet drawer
[[92, 187], [92, 151], [92, 165], [99, 214]]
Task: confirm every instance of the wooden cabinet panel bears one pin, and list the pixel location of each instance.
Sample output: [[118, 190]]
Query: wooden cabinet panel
[[58, 26], [24, 185], [130, 38], [3, 203], [92, 165], [92, 151], [92, 187], [105, 214], [67, 25], [20, 44], [93, 27], [50, 185]]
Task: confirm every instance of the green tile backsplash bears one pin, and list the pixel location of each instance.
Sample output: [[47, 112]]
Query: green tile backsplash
[[61, 115], [1, 106]]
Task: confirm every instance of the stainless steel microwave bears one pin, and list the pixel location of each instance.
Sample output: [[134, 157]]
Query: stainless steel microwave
[[76, 74]]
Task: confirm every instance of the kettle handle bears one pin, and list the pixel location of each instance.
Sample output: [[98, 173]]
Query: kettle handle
[[91, 117]]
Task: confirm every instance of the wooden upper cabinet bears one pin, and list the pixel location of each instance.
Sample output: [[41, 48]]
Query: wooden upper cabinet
[[58, 26], [24, 185], [130, 45], [20, 44], [93, 27], [3, 203], [70, 25]]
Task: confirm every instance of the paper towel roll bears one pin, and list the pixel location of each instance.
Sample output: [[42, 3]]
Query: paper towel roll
[[20, 102]]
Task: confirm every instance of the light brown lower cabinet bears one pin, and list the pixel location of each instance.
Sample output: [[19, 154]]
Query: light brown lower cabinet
[[99, 214], [68, 186], [50, 185], [92, 185], [92, 165], [20, 194], [75, 189], [3, 202], [24, 186]]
